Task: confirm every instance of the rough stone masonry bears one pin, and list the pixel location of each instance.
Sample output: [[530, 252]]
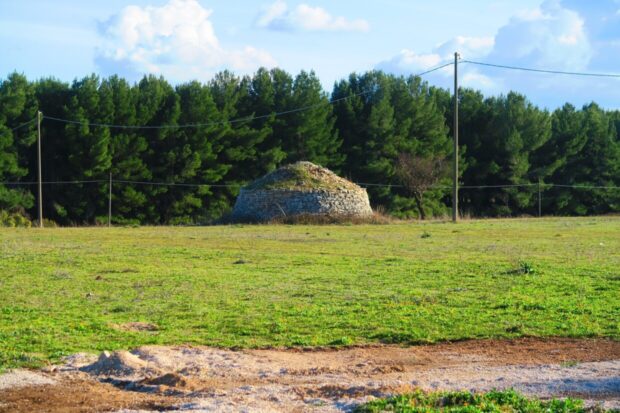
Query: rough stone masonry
[[291, 195]]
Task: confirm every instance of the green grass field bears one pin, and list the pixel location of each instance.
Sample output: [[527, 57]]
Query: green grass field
[[67, 290]]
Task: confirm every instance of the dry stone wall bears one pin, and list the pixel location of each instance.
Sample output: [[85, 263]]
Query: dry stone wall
[[264, 205]]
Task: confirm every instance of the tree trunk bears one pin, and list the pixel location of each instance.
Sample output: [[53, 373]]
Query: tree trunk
[[418, 202]]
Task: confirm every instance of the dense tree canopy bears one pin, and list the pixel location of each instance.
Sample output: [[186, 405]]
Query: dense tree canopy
[[244, 127]]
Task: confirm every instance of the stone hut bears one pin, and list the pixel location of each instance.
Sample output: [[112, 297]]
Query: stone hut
[[302, 188]]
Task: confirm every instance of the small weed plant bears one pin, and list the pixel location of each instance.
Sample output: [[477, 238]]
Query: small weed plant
[[526, 268], [466, 402]]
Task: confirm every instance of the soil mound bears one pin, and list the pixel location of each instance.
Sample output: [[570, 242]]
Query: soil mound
[[119, 364], [168, 379]]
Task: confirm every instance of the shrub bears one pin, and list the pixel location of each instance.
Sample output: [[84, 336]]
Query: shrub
[[47, 223], [13, 220]]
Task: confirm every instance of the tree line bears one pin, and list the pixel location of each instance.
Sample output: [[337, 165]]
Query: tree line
[[374, 120]]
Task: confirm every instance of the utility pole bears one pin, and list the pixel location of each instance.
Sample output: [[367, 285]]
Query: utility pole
[[40, 174], [539, 200], [455, 177], [110, 201]]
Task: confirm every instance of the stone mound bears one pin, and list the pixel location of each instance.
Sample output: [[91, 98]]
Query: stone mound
[[119, 364], [302, 176], [301, 189]]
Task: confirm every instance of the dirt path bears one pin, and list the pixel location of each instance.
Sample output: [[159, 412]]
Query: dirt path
[[201, 379]]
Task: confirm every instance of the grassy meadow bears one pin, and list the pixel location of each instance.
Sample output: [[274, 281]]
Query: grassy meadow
[[64, 290]]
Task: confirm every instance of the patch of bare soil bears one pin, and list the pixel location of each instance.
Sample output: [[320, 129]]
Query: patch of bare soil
[[136, 326], [203, 379], [75, 395]]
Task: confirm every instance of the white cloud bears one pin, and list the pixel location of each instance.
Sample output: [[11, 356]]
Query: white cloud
[[565, 35], [554, 38], [277, 16], [272, 14], [408, 61], [176, 40]]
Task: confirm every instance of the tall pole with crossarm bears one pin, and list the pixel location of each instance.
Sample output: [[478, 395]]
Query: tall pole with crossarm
[[39, 172], [455, 177]]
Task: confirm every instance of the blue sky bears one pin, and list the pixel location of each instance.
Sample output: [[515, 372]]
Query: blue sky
[[193, 39]]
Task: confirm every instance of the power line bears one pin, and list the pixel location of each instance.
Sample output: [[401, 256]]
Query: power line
[[176, 184], [556, 72], [378, 185], [434, 69], [17, 183], [364, 184], [496, 186], [24, 124], [232, 121], [313, 106], [201, 125], [584, 186]]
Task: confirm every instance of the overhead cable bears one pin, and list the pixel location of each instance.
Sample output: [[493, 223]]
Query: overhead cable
[[555, 72], [233, 121]]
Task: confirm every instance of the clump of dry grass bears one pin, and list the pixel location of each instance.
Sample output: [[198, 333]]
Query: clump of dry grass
[[376, 218]]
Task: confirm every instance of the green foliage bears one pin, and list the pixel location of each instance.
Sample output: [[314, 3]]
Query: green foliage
[[375, 118], [320, 285], [502, 134], [526, 268], [465, 402], [591, 159], [310, 135], [388, 116], [13, 220], [17, 107]]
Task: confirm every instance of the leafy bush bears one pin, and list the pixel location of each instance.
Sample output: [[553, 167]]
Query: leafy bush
[[466, 402], [14, 220]]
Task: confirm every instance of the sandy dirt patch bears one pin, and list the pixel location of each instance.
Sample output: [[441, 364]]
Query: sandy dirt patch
[[22, 378], [203, 379], [136, 326]]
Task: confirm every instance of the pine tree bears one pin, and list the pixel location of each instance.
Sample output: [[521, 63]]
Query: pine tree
[[158, 105], [242, 153], [87, 152], [259, 102], [381, 117], [17, 107], [128, 153], [310, 134], [501, 137], [595, 163]]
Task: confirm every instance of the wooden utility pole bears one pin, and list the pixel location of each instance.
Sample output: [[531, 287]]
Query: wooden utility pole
[[110, 201], [40, 173], [539, 200], [455, 177]]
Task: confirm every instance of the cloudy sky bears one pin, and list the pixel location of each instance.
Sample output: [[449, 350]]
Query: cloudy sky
[[193, 39]]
